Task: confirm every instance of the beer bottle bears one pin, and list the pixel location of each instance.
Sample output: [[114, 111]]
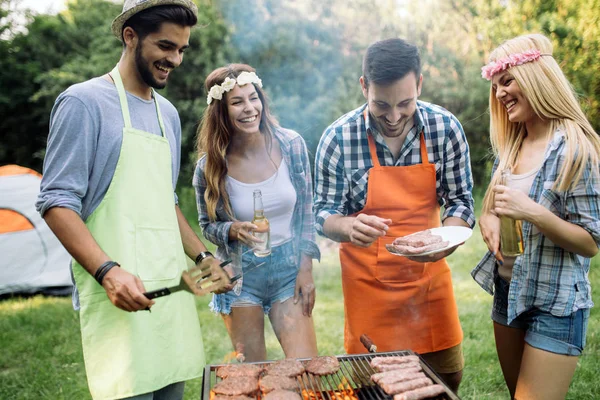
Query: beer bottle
[[263, 232], [511, 235]]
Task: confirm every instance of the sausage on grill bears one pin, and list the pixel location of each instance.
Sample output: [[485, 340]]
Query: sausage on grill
[[397, 373], [391, 380], [401, 387], [393, 367], [393, 360], [421, 393]]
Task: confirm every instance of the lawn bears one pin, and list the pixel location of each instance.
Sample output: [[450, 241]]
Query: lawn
[[41, 354]]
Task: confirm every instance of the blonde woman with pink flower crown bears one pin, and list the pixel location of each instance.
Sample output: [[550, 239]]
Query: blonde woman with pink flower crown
[[242, 149], [542, 296]]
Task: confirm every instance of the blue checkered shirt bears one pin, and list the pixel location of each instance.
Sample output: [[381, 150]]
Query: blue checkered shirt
[[343, 161], [295, 153], [546, 276]]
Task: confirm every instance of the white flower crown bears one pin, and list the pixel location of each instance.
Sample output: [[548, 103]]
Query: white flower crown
[[216, 92]]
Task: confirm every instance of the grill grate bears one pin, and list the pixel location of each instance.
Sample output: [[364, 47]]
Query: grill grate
[[354, 373]]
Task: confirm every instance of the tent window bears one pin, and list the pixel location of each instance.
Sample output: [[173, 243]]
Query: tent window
[[12, 221]]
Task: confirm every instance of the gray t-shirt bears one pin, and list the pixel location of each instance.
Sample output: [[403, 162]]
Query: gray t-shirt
[[84, 144]]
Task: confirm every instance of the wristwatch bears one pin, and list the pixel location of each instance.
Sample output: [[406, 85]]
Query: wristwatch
[[203, 255]]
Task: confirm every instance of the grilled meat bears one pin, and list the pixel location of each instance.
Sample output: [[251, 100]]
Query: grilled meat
[[409, 250], [405, 386], [398, 374], [326, 365], [234, 370], [417, 239], [273, 382], [376, 361], [288, 367], [237, 385], [421, 393], [281, 394], [240, 397]]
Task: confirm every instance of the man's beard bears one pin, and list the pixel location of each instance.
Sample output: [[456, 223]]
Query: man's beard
[[405, 126], [143, 68]]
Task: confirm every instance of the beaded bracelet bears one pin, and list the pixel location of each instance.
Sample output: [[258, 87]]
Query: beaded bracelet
[[103, 270]]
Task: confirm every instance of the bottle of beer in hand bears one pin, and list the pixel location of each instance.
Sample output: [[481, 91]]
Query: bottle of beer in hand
[[511, 235], [263, 232]]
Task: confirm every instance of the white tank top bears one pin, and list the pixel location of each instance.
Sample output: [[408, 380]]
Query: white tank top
[[523, 183], [279, 200]]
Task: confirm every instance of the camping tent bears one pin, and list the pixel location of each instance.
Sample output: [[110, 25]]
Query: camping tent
[[32, 260]]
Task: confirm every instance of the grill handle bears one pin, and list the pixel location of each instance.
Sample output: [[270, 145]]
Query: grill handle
[[368, 343]]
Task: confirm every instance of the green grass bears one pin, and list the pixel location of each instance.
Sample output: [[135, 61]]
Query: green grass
[[40, 356]]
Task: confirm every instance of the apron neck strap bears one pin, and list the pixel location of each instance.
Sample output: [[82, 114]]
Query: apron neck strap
[[424, 156], [116, 77]]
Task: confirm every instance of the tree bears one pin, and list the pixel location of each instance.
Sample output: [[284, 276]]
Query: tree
[[57, 51]]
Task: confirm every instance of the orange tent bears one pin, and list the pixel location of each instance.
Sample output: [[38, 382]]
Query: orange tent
[[32, 259]]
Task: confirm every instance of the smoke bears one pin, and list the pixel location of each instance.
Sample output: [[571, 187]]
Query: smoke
[[297, 49]]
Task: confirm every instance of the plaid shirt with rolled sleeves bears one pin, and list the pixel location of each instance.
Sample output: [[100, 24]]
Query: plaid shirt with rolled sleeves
[[547, 276], [342, 162], [293, 150]]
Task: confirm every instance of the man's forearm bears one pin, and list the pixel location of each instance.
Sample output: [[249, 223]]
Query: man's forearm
[[192, 245], [74, 235], [338, 228], [455, 221]]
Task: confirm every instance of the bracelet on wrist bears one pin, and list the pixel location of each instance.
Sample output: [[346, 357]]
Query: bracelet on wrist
[[202, 256], [103, 270]]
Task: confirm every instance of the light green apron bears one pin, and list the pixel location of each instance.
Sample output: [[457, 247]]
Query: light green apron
[[128, 354]]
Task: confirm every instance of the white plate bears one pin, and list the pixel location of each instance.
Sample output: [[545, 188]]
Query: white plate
[[455, 235]]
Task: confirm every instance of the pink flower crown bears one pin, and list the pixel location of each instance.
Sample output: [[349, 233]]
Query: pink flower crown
[[512, 60]]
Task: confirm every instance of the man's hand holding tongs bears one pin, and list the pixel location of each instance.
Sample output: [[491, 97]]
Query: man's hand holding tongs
[[220, 273]]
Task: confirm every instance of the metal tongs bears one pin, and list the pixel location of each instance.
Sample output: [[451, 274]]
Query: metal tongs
[[198, 281]]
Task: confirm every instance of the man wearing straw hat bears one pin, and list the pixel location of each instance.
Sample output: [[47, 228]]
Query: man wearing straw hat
[[110, 172]]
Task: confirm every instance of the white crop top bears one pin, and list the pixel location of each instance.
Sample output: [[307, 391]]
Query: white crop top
[[279, 200]]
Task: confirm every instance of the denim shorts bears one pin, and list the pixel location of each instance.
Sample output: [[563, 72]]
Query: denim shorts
[[272, 282], [544, 331]]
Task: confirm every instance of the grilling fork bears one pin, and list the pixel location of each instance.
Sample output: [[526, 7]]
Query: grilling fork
[[193, 280]]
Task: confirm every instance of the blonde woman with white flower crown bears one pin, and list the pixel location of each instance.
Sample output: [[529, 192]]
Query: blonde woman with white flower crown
[[242, 148], [542, 297]]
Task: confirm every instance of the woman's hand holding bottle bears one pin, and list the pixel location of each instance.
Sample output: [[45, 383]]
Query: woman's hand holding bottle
[[242, 232]]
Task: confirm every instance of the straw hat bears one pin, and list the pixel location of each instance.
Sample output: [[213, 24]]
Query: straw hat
[[132, 7]]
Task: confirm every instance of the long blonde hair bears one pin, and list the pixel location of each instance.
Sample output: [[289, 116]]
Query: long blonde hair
[[214, 136], [553, 99]]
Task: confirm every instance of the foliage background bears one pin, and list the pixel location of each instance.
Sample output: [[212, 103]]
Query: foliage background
[[308, 54]]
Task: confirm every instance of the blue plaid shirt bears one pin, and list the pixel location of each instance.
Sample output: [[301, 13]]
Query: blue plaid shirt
[[546, 276], [293, 150], [343, 161]]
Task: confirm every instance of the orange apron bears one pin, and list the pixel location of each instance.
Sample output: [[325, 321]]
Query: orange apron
[[400, 304]]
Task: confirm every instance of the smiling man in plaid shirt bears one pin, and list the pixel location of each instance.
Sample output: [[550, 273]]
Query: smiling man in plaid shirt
[[383, 171]]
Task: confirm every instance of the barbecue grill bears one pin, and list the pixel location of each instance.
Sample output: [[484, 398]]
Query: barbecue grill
[[351, 382]]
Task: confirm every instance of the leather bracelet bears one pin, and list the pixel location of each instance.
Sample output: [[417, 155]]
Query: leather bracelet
[[202, 256], [103, 270]]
